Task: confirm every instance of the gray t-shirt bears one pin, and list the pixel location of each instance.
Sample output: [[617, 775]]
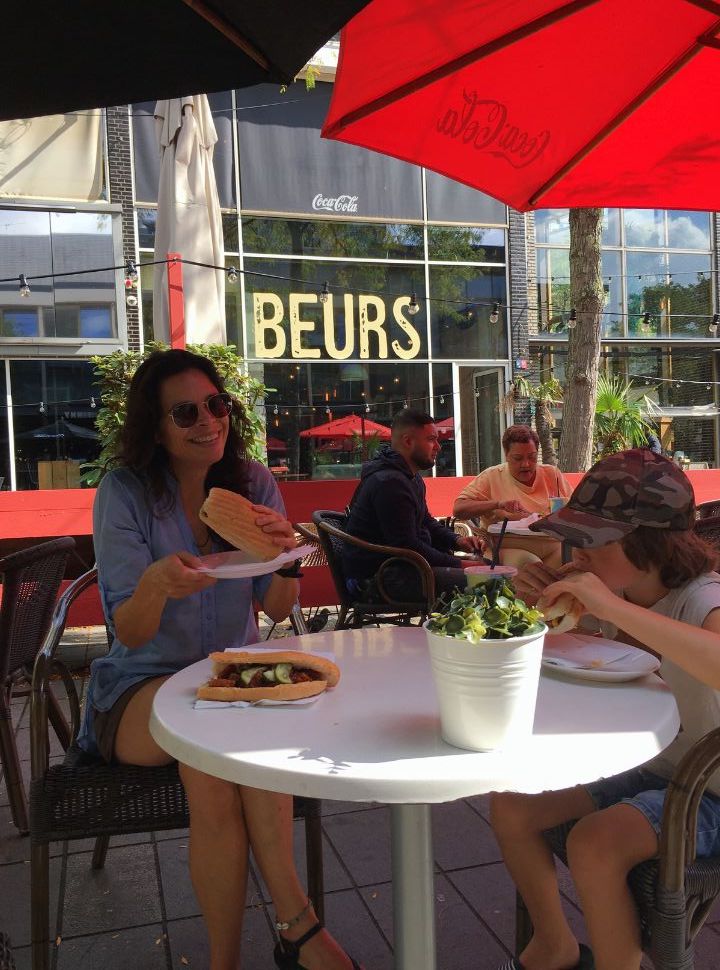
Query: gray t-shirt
[[699, 704]]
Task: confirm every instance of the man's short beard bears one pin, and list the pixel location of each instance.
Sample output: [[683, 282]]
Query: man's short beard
[[421, 462]]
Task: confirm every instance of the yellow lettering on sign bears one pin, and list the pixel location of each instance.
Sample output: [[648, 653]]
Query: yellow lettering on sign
[[338, 353], [271, 323], [374, 324], [405, 353], [298, 327]]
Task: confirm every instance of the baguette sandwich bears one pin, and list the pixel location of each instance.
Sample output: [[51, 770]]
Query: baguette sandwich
[[231, 516], [562, 615], [285, 675]]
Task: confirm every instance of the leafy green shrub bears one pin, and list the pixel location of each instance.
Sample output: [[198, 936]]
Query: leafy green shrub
[[114, 373]]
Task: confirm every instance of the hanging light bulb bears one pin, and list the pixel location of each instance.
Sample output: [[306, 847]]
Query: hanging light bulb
[[572, 319], [367, 409], [442, 398], [41, 409], [232, 275], [131, 274], [405, 404], [495, 312], [646, 319], [275, 410], [131, 300], [24, 285], [713, 325], [325, 292], [93, 405], [413, 305]]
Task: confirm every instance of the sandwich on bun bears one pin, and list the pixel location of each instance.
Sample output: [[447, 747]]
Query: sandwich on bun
[[285, 675], [231, 516], [562, 615]]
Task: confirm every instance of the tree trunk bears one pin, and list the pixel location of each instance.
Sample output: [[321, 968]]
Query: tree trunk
[[583, 359], [543, 426]]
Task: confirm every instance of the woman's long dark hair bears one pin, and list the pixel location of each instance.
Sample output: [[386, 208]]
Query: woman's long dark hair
[[139, 448]]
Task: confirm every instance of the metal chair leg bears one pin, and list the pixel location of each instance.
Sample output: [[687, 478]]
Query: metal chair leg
[[11, 765], [40, 905], [100, 851]]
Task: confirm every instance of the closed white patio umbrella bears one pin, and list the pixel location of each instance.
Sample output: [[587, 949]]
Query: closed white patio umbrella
[[188, 219]]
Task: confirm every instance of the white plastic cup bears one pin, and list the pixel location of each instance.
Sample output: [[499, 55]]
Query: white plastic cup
[[487, 691]]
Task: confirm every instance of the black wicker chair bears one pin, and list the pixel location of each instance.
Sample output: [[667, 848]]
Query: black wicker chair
[[87, 798], [707, 509], [709, 529], [30, 583], [675, 892], [6, 958], [382, 608]]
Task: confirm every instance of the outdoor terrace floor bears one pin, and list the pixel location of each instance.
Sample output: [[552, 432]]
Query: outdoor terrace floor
[[140, 911]]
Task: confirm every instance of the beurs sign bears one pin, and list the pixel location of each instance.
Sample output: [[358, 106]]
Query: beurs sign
[[364, 335]]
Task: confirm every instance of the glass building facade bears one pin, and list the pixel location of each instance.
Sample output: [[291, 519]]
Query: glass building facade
[[363, 284]]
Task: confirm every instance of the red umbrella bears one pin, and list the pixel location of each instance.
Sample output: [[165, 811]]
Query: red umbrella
[[347, 427], [541, 103], [276, 444], [445, 428]]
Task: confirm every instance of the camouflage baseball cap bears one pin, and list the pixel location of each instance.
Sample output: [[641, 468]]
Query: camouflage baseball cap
[[620, 493]]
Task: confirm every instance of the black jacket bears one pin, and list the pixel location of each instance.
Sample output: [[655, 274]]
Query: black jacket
[[389, 508]]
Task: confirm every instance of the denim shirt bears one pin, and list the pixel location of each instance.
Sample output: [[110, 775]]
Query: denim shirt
[[130, 533]]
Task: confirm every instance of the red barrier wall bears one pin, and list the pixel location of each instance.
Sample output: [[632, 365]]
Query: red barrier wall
[[26, 517]]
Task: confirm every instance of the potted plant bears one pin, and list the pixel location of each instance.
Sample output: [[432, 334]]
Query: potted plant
[[485, 652]]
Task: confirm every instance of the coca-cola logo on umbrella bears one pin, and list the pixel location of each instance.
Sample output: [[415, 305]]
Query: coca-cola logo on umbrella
[[339, 203], [484, 124]]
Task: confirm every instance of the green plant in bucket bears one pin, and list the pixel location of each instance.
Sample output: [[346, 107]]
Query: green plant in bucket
[[490, 611]]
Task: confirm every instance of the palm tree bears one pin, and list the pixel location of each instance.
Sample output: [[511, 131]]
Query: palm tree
[[619, 421]]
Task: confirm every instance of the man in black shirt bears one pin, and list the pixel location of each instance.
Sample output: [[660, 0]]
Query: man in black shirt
[[389, 508]]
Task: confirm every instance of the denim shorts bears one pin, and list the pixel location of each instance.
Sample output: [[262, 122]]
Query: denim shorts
[[646, 792]]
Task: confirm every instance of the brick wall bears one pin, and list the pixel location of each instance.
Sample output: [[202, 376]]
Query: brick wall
[[121, 191], [519, 257]]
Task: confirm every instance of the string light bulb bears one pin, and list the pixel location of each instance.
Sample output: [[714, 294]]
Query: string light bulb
[[495, 312], [572, 319], [232, 275], [367, 409], [646, 319], [325, 292], [413, 305], [131, 300], [41, 409], [24, 285], [713, 325], [93, 405], [442, 398], [275, 410]]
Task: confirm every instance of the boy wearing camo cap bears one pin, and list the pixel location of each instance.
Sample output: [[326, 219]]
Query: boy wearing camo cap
[[642, 571]]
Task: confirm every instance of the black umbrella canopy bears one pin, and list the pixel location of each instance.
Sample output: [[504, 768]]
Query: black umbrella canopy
[[74, 54]]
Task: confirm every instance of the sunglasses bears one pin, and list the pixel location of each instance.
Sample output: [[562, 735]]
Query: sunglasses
[[186, 414]]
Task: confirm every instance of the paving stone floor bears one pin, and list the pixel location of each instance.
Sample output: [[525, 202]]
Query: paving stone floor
[[140, 911]]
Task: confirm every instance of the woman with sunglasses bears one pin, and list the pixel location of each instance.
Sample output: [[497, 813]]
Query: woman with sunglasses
[[184, 434]]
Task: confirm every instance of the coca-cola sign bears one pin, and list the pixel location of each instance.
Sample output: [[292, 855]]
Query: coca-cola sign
[[340, 203], [484, 125]]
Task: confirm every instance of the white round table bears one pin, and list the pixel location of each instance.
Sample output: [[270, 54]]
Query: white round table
[[376, 737]]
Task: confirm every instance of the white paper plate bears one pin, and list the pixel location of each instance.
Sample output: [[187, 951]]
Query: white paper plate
[[572, 654], [240, 565], [516, 527]]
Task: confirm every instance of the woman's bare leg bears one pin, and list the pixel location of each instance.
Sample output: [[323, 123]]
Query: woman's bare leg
[[518, 822], [602, 849], [133, 742], [218, 839], [218, 861], [268, 817]]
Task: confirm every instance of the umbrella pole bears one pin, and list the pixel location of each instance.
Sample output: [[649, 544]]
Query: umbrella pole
[[363, 452], [176, 302]]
